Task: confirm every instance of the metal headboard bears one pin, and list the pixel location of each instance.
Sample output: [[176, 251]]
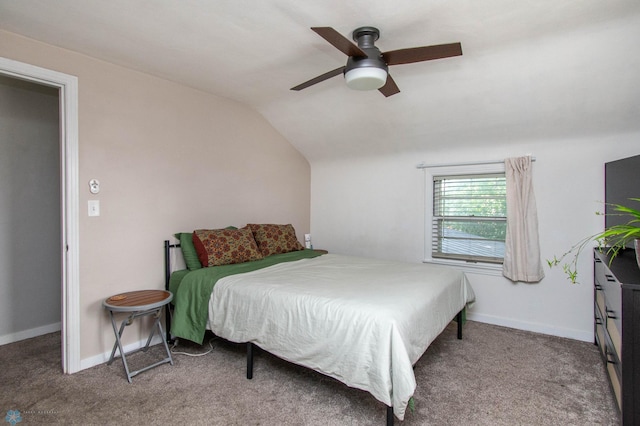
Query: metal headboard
[[167, 261]]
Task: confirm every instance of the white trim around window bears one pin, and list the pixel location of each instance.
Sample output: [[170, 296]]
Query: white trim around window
[[469, 168]]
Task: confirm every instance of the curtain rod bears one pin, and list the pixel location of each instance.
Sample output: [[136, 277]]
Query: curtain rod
[[471, 163]]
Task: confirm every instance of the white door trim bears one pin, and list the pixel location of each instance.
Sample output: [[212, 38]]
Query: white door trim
[[68, 94]]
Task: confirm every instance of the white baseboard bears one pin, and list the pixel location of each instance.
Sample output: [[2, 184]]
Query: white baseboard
[[28, 334], [104, 357], [585, 336]]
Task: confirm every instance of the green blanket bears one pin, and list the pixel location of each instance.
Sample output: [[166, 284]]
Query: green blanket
[[192, 291]]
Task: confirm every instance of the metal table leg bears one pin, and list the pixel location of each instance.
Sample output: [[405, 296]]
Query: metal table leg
[[157, 326]]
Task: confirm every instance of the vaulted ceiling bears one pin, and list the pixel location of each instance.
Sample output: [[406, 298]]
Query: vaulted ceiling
[[530, 70]]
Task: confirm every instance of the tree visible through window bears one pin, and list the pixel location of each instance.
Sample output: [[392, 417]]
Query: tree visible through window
[[469, 217]]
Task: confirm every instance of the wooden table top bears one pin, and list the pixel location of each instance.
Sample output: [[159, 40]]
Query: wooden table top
[[138, 300]]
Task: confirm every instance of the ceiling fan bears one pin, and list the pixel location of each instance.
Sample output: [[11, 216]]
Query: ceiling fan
[[367, 68]]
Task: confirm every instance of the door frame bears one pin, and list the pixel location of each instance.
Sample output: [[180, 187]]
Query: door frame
[[67, 86]]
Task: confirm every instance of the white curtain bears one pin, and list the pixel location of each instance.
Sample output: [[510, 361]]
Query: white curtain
[[522, 248]]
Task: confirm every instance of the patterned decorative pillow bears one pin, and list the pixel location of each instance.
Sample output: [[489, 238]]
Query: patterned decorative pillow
[[274, 239], [225, 246], [191, 259]]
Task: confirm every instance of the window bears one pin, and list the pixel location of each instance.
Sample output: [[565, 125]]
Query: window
[[469, 220]]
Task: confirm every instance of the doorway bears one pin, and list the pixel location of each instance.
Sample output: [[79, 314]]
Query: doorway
[[30, 271], [67, 87]]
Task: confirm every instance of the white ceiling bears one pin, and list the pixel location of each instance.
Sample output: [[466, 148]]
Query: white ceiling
[[531, 69]]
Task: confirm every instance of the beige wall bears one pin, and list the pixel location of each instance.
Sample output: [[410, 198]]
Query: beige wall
[[169, 159]]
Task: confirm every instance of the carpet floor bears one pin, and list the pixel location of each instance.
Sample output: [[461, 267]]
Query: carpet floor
[[494, 376]]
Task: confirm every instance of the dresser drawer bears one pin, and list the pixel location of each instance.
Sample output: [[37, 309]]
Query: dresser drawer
[[613, 300], [615, 334], [615, 384], [599, 271], [611, 297], [600, 339], [600, 302]]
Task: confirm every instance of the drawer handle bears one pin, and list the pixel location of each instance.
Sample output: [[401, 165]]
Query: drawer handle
[[610, 314], [598, 321], [597, 260], [610, 278], [598, 287], [609, 356]]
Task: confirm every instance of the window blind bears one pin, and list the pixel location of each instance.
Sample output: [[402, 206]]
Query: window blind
[[469, 217]]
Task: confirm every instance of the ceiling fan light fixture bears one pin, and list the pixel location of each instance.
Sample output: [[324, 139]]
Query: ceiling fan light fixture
[[367, 67], [366, 78]]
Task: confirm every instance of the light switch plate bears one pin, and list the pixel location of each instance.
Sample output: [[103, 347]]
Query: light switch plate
[[94, 207]]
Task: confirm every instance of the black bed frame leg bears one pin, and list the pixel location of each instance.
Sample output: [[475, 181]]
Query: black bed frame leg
[[389, 416], [167, 277], [249, 360], [459, 321]]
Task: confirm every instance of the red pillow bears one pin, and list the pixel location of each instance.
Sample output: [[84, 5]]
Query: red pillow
[[225, 246]]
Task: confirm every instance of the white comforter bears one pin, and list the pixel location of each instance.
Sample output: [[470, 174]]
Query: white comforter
[[364, 322]]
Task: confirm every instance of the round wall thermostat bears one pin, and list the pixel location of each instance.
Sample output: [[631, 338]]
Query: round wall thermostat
[[94, 186]]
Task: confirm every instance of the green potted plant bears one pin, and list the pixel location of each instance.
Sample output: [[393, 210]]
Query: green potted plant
[[612, 239]]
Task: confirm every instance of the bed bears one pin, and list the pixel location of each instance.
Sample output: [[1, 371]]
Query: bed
[[365, 322]]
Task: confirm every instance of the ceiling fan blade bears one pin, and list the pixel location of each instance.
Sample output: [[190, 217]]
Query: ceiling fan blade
[[419, 54], [390, 87], [319, 78], [339, 41]]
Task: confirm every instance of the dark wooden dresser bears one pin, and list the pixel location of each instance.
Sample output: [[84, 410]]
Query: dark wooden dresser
[[617, 327]]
